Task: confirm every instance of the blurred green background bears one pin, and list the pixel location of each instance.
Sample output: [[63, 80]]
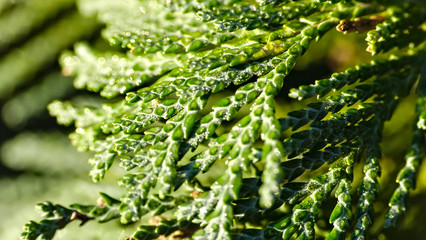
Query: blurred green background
[[38, 163]]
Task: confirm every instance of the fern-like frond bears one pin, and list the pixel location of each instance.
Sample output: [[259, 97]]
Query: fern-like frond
[[57, 216], [192, 115]]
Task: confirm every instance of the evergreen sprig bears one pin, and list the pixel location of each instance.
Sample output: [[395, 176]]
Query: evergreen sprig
[[177, 118], [57, 217]]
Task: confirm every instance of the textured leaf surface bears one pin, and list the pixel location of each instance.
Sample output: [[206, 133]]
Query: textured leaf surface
[[192, 115]]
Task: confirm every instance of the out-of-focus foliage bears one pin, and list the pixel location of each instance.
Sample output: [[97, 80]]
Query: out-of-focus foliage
[[32, 102], [19, 64], [36, 159]]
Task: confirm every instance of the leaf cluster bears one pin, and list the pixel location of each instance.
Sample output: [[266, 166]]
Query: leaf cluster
[[175, 120]]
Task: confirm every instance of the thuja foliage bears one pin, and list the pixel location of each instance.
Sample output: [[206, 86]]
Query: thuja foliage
[[175, 117]]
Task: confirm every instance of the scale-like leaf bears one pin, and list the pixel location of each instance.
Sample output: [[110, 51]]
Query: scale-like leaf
[[193, 115]]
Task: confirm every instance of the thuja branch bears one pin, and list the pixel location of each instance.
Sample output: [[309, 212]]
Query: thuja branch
[[191, 117]]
